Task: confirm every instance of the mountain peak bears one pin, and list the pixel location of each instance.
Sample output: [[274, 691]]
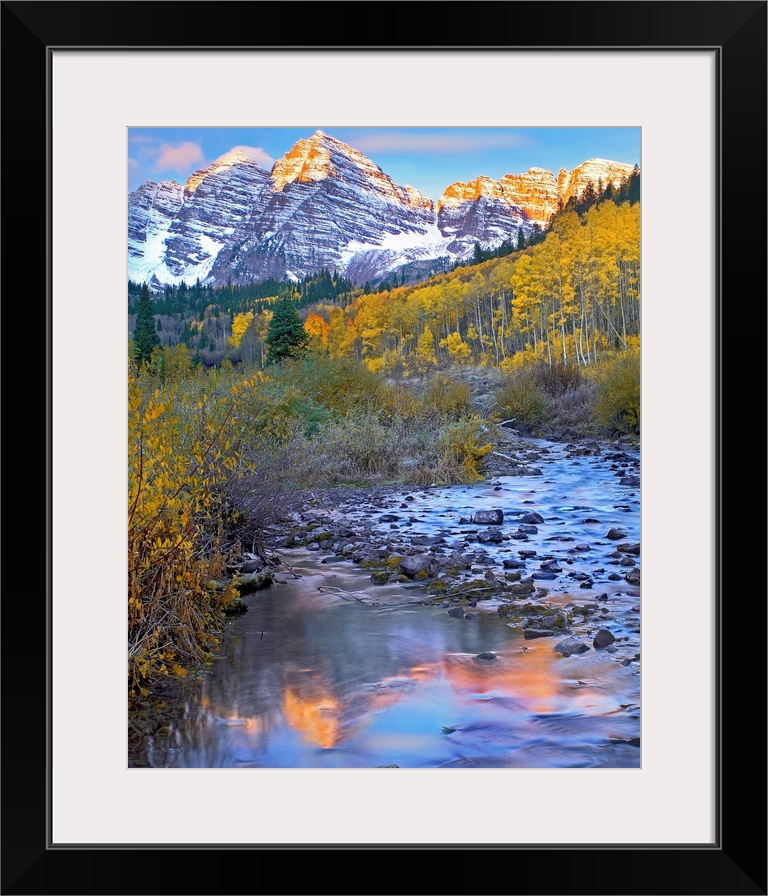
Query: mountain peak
[[322, 157], [234, 156]]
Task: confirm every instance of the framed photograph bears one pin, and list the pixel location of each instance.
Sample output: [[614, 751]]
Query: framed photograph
[[80, 79]]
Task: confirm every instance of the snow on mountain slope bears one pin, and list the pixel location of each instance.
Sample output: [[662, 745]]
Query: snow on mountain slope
[[326, 205]]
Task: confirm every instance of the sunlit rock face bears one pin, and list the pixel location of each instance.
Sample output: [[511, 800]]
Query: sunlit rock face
[[326, 205], [330, 206], [598, 171], [489, 211], [479, 211]]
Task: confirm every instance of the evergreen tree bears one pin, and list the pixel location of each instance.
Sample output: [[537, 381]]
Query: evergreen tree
[[520, 239], [286, 336], [145, 336]]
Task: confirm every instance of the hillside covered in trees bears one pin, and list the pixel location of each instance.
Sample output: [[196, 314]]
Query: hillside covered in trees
[[240, 397], [569, 295]]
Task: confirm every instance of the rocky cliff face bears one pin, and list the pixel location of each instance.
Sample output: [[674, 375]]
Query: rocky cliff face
[[572, 183], [151, 210], [489, 211], [324, 204]]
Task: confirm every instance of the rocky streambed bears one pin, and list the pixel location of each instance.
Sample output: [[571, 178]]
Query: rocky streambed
[[494, 624]]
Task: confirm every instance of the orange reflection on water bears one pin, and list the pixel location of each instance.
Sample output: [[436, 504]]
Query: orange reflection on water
[[313, 711], [528, 677]]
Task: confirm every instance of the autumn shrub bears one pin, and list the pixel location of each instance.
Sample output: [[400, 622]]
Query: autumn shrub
[[178, 459], [574, 410], [400, 401], [448, 396], [616, 379], [557, 379], [338, 384], [206, 463], [357, 448], [454, 455], [522, 398]]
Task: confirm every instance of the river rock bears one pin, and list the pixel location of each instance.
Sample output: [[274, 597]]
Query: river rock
[[457, 612], [490, 536], [486, 655], [550, 566], [412, 566], [489, 517], [603, 638], [633, 576], [631, 481], [513, 564], [531, 518], [253, 581], [615, 534], [629, 548], [252, 565], [528, 529], [570, 646], [530, 633]]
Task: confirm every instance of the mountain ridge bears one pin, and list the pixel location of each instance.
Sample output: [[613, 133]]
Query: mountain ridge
[[326, 205]]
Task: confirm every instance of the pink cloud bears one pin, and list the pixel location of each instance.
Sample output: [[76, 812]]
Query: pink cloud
[[179, 158]]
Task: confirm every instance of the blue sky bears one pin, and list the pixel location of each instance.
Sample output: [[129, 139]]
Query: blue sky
[[426, 158]]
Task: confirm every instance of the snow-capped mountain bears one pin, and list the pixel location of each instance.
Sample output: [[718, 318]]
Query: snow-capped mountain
[[325, 205]]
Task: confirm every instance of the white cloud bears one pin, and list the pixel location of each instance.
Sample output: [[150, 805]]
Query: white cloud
[[256, 154]]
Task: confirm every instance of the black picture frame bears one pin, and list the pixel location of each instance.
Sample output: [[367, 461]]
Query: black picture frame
[[736, 862]]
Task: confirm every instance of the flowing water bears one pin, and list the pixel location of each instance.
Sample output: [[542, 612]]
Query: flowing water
[[331, 671]]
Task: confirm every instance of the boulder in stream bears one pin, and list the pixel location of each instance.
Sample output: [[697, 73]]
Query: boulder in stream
[[603, 638], [570, 646], [416, 564], [489, 517]]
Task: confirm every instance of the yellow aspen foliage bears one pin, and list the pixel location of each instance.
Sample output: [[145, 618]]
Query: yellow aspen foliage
[[185, 443], [426, 348], [239, 326], [457, 348]]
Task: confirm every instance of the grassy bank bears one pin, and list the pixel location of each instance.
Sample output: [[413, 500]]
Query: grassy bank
[[215, 456]]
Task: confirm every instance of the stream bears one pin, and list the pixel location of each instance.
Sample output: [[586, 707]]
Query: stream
[[329, 670]]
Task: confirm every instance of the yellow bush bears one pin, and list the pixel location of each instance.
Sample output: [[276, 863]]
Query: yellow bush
[[183, 448], [617, 380]]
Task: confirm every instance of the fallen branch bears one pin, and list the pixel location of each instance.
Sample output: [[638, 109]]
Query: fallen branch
[[330, 589]]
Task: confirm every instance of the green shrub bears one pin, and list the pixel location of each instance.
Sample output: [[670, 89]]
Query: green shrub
[[448, 396], [521, 397], [617, 382]]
